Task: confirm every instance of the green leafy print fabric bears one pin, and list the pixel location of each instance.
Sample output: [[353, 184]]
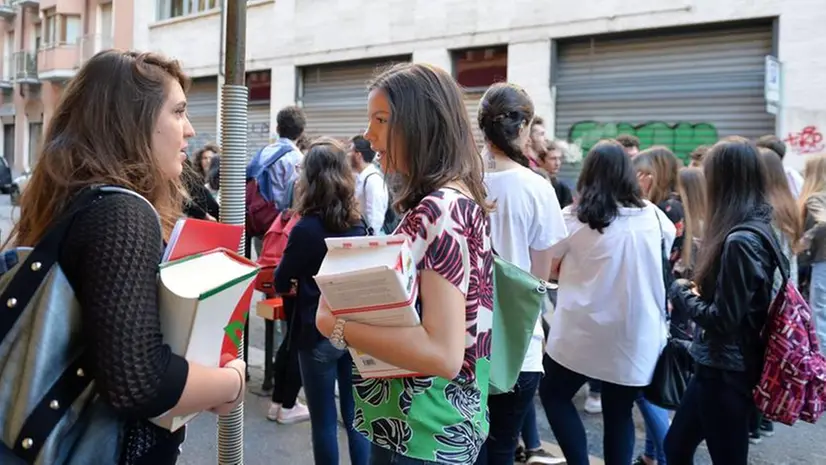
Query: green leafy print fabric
[[430, 418]]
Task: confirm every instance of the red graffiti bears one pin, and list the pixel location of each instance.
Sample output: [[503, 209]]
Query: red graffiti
[[807, 141]]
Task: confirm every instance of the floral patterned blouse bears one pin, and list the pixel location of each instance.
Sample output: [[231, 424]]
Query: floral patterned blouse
[[431, 418]]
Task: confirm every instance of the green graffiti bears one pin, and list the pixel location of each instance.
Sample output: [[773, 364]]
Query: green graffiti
[[234, 330], [681, 137]]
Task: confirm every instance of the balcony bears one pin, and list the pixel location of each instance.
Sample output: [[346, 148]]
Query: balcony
[[57, 62], [91, 45], [7, 9], [25, 68], [27, 3], [6, 81]]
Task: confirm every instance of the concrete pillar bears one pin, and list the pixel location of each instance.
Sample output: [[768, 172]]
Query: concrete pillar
[[440, 57], [529, 65], [284, 91]]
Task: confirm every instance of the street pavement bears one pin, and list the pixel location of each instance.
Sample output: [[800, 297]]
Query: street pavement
[[267, 443]]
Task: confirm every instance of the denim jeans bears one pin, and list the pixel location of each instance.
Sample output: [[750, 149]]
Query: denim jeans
[[716, 410], [507, 416], [557, 393], [530, 430], [656, 427], [381, 456], [320, 368], [817, 300]]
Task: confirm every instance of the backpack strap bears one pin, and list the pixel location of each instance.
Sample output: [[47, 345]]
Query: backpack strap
[[16, 297], [369, 229], [769, 239]]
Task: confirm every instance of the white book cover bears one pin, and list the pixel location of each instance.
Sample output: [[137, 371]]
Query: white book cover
[[197, 297], [371, 280]]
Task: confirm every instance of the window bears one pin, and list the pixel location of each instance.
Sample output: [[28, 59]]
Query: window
[[35, 137], [175, 8], [59, 29], [481, 67], [50, 27], [70, 29], [38, 36]]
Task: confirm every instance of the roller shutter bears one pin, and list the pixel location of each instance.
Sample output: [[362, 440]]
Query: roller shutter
[[202, 108], [258, 127], [472, 99], [677, 88], [334, 96]]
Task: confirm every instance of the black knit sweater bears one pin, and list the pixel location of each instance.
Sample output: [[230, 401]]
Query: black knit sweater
[[111, 257]]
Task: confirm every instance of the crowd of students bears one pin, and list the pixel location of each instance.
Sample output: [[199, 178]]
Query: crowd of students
[[611, 242]]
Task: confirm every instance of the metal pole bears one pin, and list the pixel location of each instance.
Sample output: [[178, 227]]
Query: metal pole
[[233, 178]]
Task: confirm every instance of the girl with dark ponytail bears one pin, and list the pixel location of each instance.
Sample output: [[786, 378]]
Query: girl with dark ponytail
[[505, 116], [526, 222]]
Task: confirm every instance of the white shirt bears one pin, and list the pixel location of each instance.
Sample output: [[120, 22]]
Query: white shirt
[[795, 181], [371, 193], [527, 216], [609, 322]]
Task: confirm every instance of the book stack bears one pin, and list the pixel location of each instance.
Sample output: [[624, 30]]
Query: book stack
[[371, 280], [204, 296]]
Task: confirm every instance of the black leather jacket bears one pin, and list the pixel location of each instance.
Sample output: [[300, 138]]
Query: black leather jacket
[[729, 325]]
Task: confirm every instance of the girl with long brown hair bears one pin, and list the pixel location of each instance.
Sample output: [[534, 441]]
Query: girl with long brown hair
[[328, 207], [656, 169], [813, 206], [692, 188], [122, 121], [420, 128]]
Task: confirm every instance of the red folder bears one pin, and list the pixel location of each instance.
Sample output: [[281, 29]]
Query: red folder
[[192, 236]]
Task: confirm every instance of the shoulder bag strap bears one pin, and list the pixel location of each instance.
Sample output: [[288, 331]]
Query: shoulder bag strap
[[16, 297]]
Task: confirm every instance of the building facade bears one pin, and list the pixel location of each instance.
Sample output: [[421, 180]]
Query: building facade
[[44, 42], [676, 72]]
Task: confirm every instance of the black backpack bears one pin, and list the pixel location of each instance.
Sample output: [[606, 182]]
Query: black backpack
[[391, 218]]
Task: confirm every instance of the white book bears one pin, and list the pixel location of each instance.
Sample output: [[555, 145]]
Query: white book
[[371, 280], [197, 298]]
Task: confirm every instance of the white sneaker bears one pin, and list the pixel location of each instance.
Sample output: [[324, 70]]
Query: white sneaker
[[297, 414], [593, 404], [272, 413]]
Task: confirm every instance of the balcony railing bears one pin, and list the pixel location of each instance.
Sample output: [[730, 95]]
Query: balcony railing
[[92, 44], [25, 3], [7, 9], [57, 62], [25, 67]]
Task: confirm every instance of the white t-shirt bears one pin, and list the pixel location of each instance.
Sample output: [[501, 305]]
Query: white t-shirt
[[795, 181], [609, 323], [527, 216], [372, 196]]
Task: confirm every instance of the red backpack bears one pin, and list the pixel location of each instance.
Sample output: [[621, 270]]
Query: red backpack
[[272, 249], [792, 384]]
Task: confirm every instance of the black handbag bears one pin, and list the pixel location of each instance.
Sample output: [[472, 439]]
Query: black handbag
[[675, 366]]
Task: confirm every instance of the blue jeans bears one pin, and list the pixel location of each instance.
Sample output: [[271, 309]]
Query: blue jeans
[[656, 427], [817, 300], [507, 416], [557, 393], [381, 456], [320, 368], [530, 431]]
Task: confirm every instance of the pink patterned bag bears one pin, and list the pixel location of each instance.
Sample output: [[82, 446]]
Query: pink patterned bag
[[792, 384]]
